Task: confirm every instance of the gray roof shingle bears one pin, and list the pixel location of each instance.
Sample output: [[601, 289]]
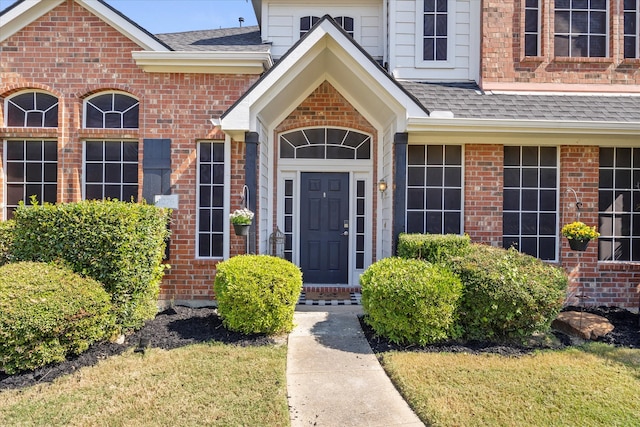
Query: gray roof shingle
[[244, 39], [466, 100]]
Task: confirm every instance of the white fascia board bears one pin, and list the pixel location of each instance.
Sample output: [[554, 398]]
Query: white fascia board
[[133, 32], [23, 14], [522, 126], [203, 62]]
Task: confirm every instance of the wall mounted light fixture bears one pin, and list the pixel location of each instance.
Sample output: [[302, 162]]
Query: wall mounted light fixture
[[382, 186]]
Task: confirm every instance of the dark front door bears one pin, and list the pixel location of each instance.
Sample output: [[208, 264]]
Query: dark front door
[[324, 227]]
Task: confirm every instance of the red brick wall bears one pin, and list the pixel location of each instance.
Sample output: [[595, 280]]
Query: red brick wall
[[71, 54], [599, 283], [504, 65], [483, 193]]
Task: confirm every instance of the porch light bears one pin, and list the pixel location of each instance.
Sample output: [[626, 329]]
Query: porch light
[[382, 186]]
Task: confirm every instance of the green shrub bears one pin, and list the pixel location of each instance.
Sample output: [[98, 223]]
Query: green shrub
[[48, 312], [257, 293], [410, 301], [432, 247], [507, 295], [6, 240], [119, 244]]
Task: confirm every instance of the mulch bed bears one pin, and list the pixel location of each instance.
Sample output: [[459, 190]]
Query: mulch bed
[[181, 326], [625, 334], [172, 328]]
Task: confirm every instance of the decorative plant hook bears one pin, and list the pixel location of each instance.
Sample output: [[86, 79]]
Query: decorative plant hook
[[578, 202], [244, 197]]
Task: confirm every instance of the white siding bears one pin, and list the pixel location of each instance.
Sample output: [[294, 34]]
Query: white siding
[[281, 25], [265, 177], [406, 54], [385, 207]]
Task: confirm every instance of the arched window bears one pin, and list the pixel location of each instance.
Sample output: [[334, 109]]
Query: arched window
[[111, 110], [325, 143], [346, 23], [306, 22], [32, 109]]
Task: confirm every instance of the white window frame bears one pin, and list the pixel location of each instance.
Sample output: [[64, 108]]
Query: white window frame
[[108, 92], [103, 161], [443, 187], [451, 36], [538, 29], [226, 228], [607, 31], [636, 10], [22, 92], [521, 187], [5, 206]]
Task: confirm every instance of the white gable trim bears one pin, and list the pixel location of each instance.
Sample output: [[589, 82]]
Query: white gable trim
[[325, 53], [30, 10]]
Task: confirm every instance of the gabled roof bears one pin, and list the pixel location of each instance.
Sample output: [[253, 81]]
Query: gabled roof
[[24, 12], [325, 53]]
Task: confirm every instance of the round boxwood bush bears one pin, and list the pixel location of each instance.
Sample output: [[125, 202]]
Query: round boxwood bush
[[410, 301], [257, 293], [507, 295], [48, 312]]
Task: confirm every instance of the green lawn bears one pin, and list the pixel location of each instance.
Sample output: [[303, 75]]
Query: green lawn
[[596, 385], [198, 385]]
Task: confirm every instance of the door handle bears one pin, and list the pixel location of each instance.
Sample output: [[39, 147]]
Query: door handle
[[345, 233]]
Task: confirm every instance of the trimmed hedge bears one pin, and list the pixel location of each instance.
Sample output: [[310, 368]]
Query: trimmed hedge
[[257, 293], [48, 312], [116, 243], [410, 301], [432, 247], [6, 240], [507, 295]]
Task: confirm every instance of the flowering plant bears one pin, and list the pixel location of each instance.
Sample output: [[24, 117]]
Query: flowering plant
[[241, 216], [579, 231]]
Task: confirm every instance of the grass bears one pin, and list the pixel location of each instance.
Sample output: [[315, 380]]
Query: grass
[[204, 384], [596, 385]]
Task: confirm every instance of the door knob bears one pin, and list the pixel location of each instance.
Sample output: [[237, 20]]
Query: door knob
[[345, 233]]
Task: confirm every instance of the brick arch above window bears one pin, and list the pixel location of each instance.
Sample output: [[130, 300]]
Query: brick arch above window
[[111, 110], [31, 108]]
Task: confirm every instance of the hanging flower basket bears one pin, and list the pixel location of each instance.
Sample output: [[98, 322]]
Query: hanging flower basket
[[241, 229], [579, 235], [579, 245]]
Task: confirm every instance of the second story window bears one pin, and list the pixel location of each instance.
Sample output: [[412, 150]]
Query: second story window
[[631, 29], [435, 29], [112, 111], [532, 28], [346, 23], [32, 109], [581, 28], [306, 22]]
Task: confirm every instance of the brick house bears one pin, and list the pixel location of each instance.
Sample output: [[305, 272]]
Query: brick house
[[341, 125]]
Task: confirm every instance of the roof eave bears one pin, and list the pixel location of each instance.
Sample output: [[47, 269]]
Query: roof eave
[[204, 62], [521, 126]]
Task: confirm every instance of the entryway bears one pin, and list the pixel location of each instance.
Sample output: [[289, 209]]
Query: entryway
[[324, 227]]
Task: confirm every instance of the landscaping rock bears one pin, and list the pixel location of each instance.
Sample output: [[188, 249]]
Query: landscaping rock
[[583, 325]]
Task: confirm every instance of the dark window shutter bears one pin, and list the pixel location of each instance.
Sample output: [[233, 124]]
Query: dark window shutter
[[156, 167]]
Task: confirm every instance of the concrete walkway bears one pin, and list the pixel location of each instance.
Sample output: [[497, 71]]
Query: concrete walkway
[[333, 377]]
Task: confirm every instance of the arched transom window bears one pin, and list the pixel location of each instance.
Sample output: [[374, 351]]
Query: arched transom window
[[325, 143], [32, 109], [112, 110]]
